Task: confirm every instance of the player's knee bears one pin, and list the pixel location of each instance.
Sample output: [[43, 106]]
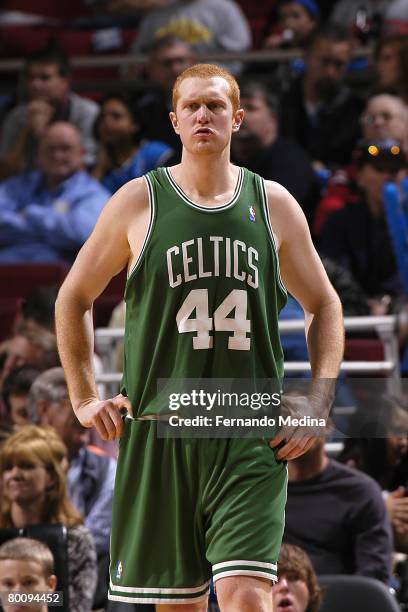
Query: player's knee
[[245, 596]]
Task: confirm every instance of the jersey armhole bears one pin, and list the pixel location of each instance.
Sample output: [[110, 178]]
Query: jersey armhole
[[152, 209], [271, 234]]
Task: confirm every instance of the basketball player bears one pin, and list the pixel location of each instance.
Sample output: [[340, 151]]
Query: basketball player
[[210, 249]]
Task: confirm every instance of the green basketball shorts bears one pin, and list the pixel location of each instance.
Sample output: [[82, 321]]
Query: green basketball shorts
[[186, 510]]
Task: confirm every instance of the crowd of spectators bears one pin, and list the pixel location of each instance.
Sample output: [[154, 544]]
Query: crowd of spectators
[[330, 128]]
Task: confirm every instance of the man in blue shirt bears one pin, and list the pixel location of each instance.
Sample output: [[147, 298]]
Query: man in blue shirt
[[46, 215]]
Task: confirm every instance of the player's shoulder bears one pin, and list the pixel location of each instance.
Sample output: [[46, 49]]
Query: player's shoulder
[[125, 206], [279, 200], [286, 215], [276, 191], [133, 195]]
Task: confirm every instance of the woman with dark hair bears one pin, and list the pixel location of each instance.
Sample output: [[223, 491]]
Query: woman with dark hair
[[391, 65], [297, 586], [122, 154], [33, 463]]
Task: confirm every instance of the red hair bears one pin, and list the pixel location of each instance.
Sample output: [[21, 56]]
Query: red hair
[[208, 71]]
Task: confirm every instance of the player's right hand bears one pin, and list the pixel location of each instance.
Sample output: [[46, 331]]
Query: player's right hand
[[105, 415]]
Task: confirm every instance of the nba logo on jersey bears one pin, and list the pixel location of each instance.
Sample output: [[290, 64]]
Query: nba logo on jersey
[[252, 213], [119, 570]]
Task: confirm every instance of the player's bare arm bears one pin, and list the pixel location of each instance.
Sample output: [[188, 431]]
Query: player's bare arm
[[305, 278], [115, 243]]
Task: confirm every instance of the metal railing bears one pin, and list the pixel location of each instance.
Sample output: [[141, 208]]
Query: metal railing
[[262, 56], [107, 339]]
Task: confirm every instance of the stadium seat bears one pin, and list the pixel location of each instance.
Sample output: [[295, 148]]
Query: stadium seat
[[18, 280], [364, 349], [355, 594]]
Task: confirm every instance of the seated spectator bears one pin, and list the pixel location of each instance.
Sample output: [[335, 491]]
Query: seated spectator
[[209, 26], [49, 99], [338, 516], [320, 113], [391, 66], [91, 475], [122, 154], [39, 307], [30, 345], [46, 215], [297, 589], [356, 236], [297, 20], [27, 566], [386, 460], [32, 463], [257, 146], [385, 117], [168, 57], [15, 392]]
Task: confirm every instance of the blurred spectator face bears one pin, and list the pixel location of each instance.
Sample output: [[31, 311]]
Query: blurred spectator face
[[115, 123], [62, 418], [387, 65], [168, 62], [397, 438], [44, 82], [385, 116], [25, 481], [297, 19], [259, 128], [19, 414], [291, 594], [24, 576], [372, 180], [397, 448], [60, 152], [19, 351], [326, 65]]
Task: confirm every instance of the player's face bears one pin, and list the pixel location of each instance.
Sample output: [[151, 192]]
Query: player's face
[[24, 576], [204, 116], [290, 595]]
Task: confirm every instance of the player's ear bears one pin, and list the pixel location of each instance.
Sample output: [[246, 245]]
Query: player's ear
[[174, 122], [237, 119]]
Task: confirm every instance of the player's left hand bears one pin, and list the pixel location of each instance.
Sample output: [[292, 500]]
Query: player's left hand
[[294, 440]]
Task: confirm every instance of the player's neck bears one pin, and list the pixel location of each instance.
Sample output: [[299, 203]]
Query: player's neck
[[204, 177]]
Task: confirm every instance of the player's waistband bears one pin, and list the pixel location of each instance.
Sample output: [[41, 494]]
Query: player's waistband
[[152, 417]]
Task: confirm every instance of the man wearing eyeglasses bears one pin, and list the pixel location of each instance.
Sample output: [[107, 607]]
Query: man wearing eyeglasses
[[385, 116], [320, 112]]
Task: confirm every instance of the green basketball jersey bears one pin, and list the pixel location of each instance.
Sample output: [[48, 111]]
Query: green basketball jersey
[[202, 301]]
